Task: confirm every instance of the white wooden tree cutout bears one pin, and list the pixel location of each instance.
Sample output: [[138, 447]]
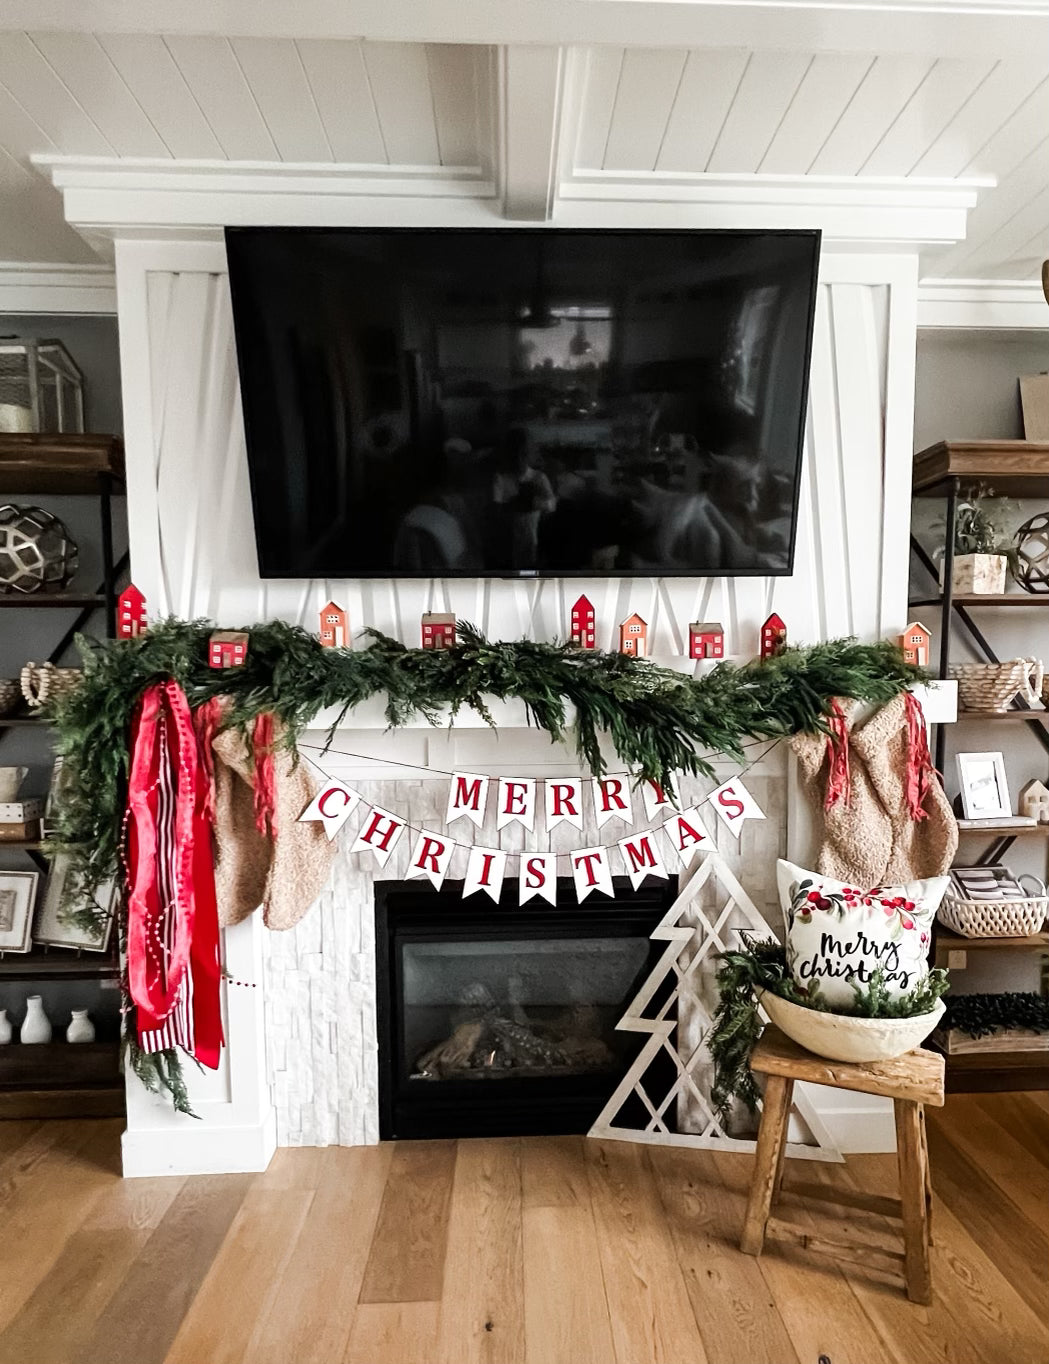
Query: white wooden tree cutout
[[677, 1027]]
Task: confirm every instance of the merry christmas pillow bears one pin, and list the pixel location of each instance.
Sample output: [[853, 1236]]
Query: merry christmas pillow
[[838, 936]]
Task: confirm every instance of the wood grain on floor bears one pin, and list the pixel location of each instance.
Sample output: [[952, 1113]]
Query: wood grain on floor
[[556, 1250]]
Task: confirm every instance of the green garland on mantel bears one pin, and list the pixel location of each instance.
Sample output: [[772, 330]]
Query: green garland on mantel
[[659, 722]]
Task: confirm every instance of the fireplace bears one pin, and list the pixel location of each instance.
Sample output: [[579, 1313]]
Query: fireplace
[[499, 1020]]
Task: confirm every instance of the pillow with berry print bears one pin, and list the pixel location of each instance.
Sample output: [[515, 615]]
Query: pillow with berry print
[[838, 935]]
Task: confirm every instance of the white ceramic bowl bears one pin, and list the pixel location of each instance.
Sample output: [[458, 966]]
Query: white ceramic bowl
[[841, 1038]]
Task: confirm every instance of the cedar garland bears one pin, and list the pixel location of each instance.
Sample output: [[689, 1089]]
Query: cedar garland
[[659, 722]]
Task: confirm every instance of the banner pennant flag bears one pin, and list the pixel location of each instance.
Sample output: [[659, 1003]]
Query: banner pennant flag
[[516, 802], [612, 799], [379, 834], [656, 799], [430, 858], [485, 870], [331, 806], [641, 857], [688, 835], [537, 875], [591, 871], [735, 805], [564, 802], [467, 798]]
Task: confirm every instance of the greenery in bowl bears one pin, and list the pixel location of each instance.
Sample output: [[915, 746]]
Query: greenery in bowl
[[762, 965], [980, 524]]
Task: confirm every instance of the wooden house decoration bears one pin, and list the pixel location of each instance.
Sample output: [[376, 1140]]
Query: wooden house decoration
[[335, 627], [633, 636], [131, 613], [1034, 801], [706, 639], [438, 630], [915, 643], [773, 637], [227, 648], [583, 629]]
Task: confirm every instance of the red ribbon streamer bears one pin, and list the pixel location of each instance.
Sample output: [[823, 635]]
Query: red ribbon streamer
[[920, 770], [839, 779], [265, 794]]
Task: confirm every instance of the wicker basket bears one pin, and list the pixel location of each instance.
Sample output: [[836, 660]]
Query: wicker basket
[[994, 686], [994, 918]]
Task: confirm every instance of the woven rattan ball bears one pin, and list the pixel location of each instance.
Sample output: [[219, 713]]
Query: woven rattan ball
[[1032, 554]]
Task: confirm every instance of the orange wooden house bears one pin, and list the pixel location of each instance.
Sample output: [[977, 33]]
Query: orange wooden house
[[633, 636], [335, 627]]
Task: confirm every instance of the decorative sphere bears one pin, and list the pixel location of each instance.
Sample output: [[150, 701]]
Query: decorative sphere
[[1032, 554], [37, 553]]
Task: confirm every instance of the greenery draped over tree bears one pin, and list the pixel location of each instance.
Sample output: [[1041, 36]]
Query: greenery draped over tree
[[659, 722]]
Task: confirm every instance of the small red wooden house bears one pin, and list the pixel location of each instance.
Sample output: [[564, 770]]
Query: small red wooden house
[[583, 629], [915, 643], [131, 613], [633, 636], [438, 629], [706, 639], [335, 627], [773, 637], [227, 649]]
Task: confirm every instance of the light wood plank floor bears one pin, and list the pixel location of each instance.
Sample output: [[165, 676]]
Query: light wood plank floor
[[554, 1250]]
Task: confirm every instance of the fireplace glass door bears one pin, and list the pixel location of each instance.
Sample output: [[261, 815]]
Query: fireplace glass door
[[500, 1019]]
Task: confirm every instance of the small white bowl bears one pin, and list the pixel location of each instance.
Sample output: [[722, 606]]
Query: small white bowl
[[840, 1037]]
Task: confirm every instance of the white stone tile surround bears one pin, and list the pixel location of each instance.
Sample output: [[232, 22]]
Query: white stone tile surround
[[319, 998]]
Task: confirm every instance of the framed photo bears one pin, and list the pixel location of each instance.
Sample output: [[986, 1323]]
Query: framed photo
[[984, 787], [17, 895], [52, 929]]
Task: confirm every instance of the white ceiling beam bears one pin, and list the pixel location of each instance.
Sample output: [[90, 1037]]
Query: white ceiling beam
[[945, 28], [531, 104]]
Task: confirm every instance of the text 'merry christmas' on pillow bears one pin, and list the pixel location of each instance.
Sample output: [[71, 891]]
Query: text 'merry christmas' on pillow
[[838, 935]]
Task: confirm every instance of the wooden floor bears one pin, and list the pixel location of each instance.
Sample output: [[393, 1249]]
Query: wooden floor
[[535, 1251]]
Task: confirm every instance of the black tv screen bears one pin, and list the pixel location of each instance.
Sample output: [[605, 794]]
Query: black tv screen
[[512, 402]]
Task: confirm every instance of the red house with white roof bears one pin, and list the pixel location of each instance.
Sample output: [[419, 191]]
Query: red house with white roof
[[706, 639], [633, 636], [438, 629], [227, 648], [916, 643], [773, 637], [131, 613], [583, 628]]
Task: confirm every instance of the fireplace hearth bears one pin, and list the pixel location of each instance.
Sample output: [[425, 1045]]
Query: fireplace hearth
[[499, 1019]]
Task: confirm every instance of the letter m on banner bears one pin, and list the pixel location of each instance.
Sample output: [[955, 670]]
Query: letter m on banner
[[467, 796]]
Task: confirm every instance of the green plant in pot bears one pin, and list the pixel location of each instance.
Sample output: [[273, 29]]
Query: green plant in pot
[[756, 976], [983, 548]]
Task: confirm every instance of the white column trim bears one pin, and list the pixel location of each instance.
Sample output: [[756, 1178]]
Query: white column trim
[[983, 303], [31, 287]]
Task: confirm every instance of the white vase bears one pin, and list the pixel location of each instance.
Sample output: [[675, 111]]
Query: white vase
[[5, 1028], [36, 1026], [80, 1029]]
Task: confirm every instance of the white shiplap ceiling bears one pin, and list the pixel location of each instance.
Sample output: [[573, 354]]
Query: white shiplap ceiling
[[667, 110]]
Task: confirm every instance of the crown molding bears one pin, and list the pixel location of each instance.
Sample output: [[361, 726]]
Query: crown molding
[[129, 198], [43, 288], [983, 303]]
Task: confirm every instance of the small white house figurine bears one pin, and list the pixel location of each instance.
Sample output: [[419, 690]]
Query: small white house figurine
[[1034, 801]]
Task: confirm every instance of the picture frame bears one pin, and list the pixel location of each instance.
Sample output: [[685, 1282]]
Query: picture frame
[[52, 931], [984, 786], [18, 891]]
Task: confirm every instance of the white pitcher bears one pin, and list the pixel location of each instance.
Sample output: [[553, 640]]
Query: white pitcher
[[36, 1026]]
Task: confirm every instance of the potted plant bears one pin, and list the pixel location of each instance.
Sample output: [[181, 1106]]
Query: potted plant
[[877, 1027], [982, 548]]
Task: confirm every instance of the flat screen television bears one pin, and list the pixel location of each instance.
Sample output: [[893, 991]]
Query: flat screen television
[[509, 402]]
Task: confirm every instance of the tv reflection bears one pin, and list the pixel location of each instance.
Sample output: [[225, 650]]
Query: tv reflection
[[564, 472]]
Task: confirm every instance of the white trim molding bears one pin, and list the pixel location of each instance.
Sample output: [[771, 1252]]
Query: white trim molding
[[983, 303], [130, 197], [43, 288]]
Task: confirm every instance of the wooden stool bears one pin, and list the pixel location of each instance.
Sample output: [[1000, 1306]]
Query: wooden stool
[[910, 1081]]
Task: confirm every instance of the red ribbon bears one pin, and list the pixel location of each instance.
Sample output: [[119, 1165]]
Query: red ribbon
[[920, 770], [265, 790], [839, 780], [206, 720]]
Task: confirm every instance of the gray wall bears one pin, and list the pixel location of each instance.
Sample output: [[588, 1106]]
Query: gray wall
[[966, 383]]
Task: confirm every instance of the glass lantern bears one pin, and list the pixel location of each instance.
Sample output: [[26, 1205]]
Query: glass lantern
[[41, 388]]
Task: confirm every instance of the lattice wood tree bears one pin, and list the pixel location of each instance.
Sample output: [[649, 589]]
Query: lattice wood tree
[[706, 918]]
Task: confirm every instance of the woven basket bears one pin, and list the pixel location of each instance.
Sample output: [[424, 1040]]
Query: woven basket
[[993, 919], [994, 686], [10, 695]]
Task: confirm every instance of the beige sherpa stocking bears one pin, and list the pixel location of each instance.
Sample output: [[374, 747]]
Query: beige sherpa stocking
[[920, 847], [857, 833], [284, 874]]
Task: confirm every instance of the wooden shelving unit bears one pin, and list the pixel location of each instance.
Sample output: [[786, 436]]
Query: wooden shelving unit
[[949, 470], [61, 1079]]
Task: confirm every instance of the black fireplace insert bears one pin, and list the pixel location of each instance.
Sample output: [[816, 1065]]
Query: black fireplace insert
[[499, 1019]]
